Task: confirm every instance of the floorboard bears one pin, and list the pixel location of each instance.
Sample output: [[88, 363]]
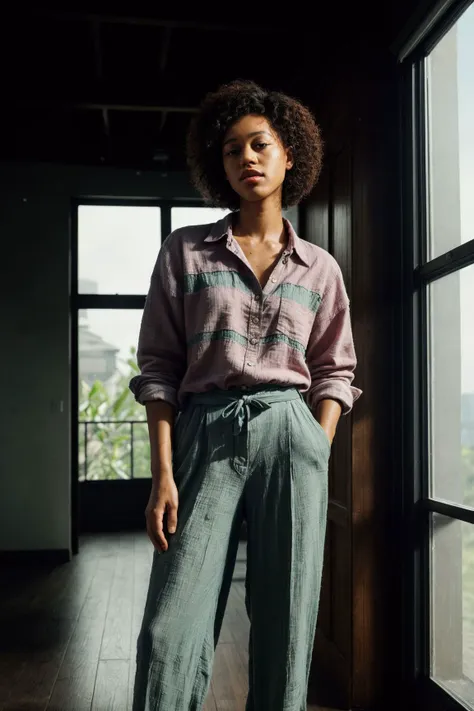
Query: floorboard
[[68, 633]]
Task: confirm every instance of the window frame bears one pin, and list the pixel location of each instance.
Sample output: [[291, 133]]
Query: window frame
[[419, 273]]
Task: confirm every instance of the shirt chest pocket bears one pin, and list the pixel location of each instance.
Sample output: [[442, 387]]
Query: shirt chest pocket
[[294, 322]]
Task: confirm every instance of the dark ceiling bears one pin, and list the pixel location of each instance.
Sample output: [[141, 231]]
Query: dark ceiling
[[96, 87]]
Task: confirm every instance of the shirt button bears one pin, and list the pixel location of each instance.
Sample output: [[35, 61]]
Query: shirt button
[[253, 341], [249, 362], [255, 319], [273, 279]]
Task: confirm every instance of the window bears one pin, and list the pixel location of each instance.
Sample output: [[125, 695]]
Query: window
[[117, 248], [441, 71], [450, 341]]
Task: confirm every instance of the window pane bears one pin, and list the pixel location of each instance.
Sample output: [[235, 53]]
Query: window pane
[[452, 606], [184, 216], [118, 247], [107, 451], [451, 366], [450, 89], [112, 425]]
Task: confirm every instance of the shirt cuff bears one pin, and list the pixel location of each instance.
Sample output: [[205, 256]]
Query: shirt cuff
[[146, 390], [338, 390]]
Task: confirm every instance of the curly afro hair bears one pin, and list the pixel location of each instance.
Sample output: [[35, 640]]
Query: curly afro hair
[[292, 121]]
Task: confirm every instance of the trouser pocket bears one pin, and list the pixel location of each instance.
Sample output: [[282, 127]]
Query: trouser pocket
[[308, 437]]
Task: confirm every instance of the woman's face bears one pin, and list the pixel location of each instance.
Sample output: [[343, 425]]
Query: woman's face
[[255, 160]]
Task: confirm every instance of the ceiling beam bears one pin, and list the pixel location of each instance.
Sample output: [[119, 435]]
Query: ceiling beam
[[171, 93], [54, 104]]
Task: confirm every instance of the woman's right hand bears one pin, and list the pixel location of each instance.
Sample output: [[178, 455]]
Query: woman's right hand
[[163, 499]]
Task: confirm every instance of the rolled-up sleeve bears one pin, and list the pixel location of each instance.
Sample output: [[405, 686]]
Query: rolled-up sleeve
[[161, 352], [330, 355]]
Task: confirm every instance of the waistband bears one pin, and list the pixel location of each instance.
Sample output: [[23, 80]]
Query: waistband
[[238, 401], [267, 393]]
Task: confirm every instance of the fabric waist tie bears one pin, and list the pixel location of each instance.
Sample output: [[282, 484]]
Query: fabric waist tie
[[238, 402]]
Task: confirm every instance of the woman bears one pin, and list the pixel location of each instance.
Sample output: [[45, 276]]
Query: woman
[[245, 335]]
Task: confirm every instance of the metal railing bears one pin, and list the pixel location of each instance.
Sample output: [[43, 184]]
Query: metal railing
[[87, 423]]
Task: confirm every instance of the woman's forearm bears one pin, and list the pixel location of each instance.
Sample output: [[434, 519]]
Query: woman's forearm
[[160, 419], [328, 413]]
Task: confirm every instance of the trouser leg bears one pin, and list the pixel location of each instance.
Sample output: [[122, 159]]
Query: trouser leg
[[189, 582], [286, 501]]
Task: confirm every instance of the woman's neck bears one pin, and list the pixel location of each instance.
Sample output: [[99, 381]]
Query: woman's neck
[[260, 221]]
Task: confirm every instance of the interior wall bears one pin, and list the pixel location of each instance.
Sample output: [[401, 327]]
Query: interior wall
[[35, 433]]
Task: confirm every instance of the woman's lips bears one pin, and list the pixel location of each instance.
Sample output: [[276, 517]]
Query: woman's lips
[[252, 179]]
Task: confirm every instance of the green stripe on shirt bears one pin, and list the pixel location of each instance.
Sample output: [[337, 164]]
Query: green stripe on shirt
[[232, 279], [228, 335], [305, 297], [223, 335], [202, 280]]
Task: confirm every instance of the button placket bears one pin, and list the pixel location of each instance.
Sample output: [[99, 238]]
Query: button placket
[[275, 276], [253, 337]]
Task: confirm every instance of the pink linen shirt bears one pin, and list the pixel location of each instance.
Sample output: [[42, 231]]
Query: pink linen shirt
[[207, 322]]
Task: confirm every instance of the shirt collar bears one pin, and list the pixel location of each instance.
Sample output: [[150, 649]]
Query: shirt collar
[[223, 228]]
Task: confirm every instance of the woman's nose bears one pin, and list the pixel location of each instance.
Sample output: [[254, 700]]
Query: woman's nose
[[247, 156]]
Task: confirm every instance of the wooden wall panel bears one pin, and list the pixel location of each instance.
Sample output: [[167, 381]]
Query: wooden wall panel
[[342, 213], [330, 677], [376, 243], [341, 241], [342, 590], [315, 215]]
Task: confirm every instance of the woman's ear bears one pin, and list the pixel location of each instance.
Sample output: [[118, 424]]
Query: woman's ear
[[290, 161]]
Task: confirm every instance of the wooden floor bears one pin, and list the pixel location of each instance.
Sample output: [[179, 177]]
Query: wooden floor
[[68, 634]]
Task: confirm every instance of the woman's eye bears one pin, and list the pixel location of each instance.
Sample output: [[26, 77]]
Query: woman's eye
[[236, 151]]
